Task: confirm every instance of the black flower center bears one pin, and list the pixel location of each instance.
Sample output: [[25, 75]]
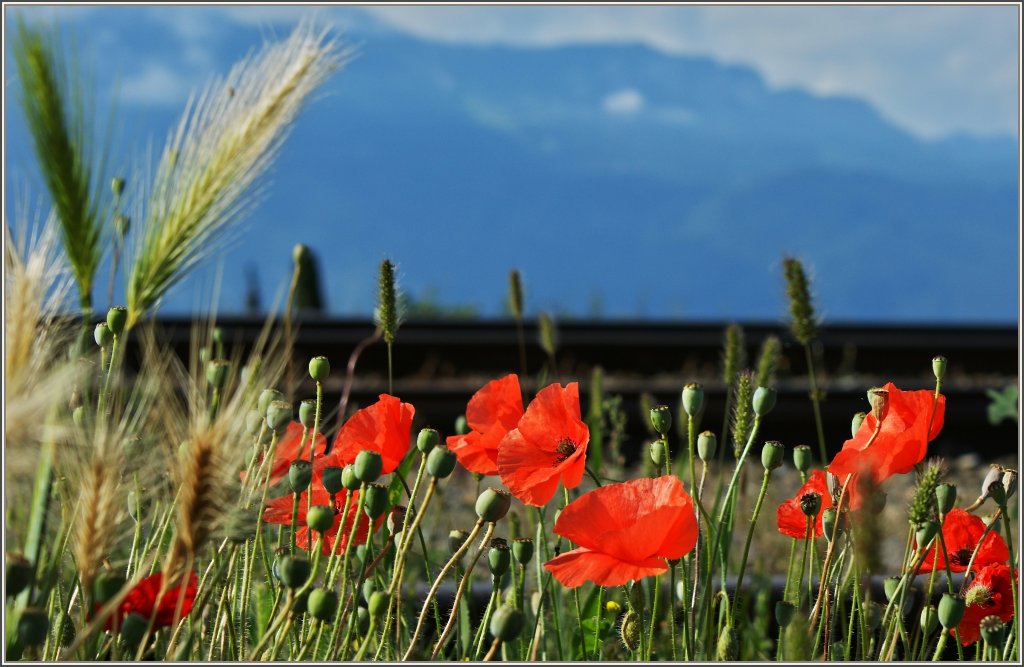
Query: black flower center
[[564, 450], [961, 557]]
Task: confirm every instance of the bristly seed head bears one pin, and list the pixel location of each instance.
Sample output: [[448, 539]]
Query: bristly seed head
[[802, 324], [388, 302]]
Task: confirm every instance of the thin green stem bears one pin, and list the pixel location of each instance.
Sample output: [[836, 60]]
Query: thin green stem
[[816, 402]]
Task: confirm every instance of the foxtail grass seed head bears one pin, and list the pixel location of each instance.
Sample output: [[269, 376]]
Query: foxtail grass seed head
[[658, 452], [802, 458], [133, 629], [922, 507], [855, 424], [320, 518], [492, 504], [661, 419], [878, 398], [728, 645], [763, 401], [693, 399], [253, 423], [939, 367], [741, 419], [319, 368], [293, 570], [499, 557], [945, 497], [951, 610], [103, 335], [441, 462], [925, 533], [349, 478], [768, 361], [929, 620], [784, 612], [993, 631], [33, 626], [376, 500], [507, 623], [772, 454], [267, 397], [630, 629], [279, 415], [322, 604], [378, 603], [515, 294], [217, 372], [427, 439], [548, 334], [522, 550], [707, 446], [461, 425], [300, 474], [307, 413], [810, 503], [116, 319], [18, 575], [456, 538], [332, 479], [801, 311], [388, 302], [368, 466], [733, 354]]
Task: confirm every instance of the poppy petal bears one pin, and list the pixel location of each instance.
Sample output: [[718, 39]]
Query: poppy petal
[[575, 567], [383, 427]]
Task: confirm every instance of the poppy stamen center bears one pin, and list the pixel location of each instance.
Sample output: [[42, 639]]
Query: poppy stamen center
[[961, 557], [566, 448]]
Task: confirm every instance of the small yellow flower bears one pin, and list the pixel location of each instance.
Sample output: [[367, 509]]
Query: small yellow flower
[[613, 606]]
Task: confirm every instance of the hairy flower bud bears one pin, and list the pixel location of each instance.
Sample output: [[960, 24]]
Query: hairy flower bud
[[707, 446], [117, 317], [493, 504], [307, 413]]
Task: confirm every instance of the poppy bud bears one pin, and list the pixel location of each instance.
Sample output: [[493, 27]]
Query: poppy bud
[[349, 479], [456, 538], [307, 413], [707, 446], [507, 622], [522, 550], [117, 186], [939, 367], [1009, 482], [993, 630], [322, 604], [499, 557], [810, 503], [368, 466], [319, 368], [764, 401], [661, 418], [629, 630], [784, 612], [103, 335], [427, 439], [253, 422], [320, 518], [300, 474], [872, 614], [728, 645], [802, 458], [116, 319], [18, 575], [879, 400], [658, 452], [78, 416], [105, 586], [891, 586], [362, 620], [441, 462], [929, 620], [293, 570], [369, 586], [771, 455], [376, 500], [951, 610], [333, 479], [461, 425], [858, 419], [945, 497], [279, 415], [133, 629], [378, 603], [267, 397], [33, 626], [396, 520], [493, 504], [828, 522], [693, 399], [217, 372]]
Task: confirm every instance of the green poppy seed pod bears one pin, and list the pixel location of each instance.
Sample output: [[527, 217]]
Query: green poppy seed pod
[[878, 398], [456, 538], [217, 372], [218, 336], [427, 439], [18, 574], [253, 422], [499, 557], [322, 604], [872, 614], [802, 458], [78, 416], [728, 645], [522, 550], [784, 612], [376, 500], [707, 446], [362, 620], [810, 503], [693, 399], [461, 425], [396, 520], [629, 630], [103, 335], [764, 400], [33, 626], [993, 630], [117, 186], [349, 479], [301, 604], [997, 492], [939, 367], [1009, 482], [661, 418], [828, 522], [945, 497], [267, 396], [929, 620], [332, 479], [891, 586], [658, 452], [320, 518], [307, 413], [368, 466], [369, 586], [507, 622], [105, 586], [300, 474], [441, 462], [293, 570], [117, 317], [319, 368], [279, 415], [493, 504], [858, 419], [378, 603], [122, 223], [951, 610], [133, 629], [772, 454]]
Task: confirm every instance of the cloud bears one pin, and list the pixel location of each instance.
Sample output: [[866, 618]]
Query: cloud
[[156, 85], [624, 102]]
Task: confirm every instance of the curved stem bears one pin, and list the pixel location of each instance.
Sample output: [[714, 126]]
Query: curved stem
[[750, 531], [462, 588]]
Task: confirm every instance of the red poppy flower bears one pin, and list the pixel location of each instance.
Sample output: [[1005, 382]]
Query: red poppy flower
[[961, 531], [147, 598], [492, 412], [900, 444], [989, 594], [383, 427], [279, 511], [791, 519], [548, 445], [625, 532], [291, 446]]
